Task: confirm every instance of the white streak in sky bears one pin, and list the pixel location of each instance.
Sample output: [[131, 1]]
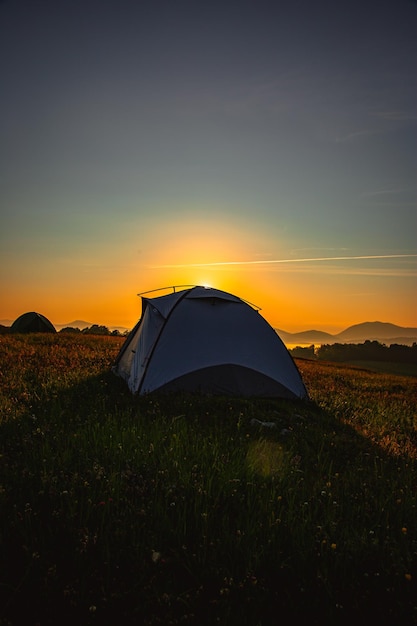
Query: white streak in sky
[[275, 261]]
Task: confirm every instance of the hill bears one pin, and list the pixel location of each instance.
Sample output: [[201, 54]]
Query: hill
[[375, 330], [306, 336], [81, 324], [200, 510], [383, 332]]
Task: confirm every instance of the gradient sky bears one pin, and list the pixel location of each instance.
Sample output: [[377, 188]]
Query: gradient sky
[[265, 148]]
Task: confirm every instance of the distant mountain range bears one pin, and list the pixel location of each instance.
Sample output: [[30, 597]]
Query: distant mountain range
[[358, 333], [81, 324]]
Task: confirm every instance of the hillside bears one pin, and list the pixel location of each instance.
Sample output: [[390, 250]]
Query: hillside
[[81, 324], [375, 330], [383, 332], [199, 510], [306, 336]]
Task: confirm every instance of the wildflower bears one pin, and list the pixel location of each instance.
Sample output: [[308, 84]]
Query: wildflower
[[155, 556], [408, 577], [333, 546], [404, 530]]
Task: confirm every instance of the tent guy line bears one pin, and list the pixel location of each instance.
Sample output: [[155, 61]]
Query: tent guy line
[[273, 261]]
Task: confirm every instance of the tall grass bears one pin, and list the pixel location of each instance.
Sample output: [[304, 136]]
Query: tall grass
[[184, 509]]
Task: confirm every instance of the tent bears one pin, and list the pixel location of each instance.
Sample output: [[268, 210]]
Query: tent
[[208, 341], [32, 323]]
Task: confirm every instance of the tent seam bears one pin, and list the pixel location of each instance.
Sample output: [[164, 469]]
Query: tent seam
[[149, 358]]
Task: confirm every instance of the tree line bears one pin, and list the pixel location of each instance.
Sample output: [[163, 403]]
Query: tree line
[[95, 329], [367, 351]]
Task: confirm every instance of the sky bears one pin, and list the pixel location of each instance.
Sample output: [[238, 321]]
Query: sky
[[265, 148]]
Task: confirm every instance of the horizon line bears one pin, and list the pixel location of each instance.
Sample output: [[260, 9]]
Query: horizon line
[[275, 261]]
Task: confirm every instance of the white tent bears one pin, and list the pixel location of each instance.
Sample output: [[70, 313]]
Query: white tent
[[209, 341]]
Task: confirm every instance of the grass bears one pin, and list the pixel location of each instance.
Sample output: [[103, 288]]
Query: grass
[[402, 369], [182, 510]]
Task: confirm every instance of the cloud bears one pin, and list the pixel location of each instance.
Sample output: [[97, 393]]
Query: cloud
[[278, 261], [398, 116], [359, 134], [382, 192]]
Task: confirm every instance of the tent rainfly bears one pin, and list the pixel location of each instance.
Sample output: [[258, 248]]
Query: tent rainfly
[[208, 341], [32, 323]]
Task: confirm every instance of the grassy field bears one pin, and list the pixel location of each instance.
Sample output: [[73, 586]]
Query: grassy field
[[402, 369], [184, 510]]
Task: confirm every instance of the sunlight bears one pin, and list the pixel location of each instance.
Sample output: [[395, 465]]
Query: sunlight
[[294, 293], [187, 252], [267, 458]]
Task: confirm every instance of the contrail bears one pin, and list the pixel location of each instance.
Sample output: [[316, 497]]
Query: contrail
[[274, 261]]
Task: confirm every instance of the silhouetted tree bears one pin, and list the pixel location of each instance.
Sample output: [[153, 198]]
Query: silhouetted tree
[[96, 329], [303, 352], [367, 351], [70, 329]]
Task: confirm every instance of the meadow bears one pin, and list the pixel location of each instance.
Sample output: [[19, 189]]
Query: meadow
[[184, 509]]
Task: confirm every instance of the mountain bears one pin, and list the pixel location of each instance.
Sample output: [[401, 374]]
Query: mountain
[[6, 322], [306, 336], [375, 330], [383, 332], [76, 324], [81, 324]]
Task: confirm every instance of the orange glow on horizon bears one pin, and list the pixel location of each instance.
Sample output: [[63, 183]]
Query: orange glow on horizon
[[289, 302], [293, 293]]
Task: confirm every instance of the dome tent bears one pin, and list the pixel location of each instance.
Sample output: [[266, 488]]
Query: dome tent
[[32, 323], [208, 341]]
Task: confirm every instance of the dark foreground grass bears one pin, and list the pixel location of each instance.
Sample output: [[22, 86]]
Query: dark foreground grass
[[185, 510]]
